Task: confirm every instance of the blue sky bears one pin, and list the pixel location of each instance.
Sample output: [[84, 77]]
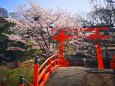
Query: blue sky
[[71, 5]]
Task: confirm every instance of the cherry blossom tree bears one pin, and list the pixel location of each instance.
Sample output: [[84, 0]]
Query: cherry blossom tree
[[39, 24]]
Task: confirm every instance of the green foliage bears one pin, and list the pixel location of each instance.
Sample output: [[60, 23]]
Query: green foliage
[[11, 77], [26, 69], [15, 54], [29, 54], [25, 51], [16, 44], [4, 29], [30, 43]]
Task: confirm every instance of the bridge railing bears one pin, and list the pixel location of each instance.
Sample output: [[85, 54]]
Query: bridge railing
[[49, 66], [42, 73]]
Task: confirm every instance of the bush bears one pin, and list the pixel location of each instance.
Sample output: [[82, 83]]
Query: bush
[[11, 77]]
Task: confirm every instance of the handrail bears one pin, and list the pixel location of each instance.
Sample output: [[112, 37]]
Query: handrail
[[49, 66], [59, 56], [47, 61]]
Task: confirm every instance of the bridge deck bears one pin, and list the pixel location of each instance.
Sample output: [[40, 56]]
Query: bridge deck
[[80, 76]]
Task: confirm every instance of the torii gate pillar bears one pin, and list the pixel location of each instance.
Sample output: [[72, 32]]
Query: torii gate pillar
[[99, 57]]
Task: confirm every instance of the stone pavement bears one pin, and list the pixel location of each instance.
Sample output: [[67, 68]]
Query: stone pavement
[[80, 76]]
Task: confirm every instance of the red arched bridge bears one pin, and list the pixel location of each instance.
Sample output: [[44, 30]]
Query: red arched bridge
[[43, 72]]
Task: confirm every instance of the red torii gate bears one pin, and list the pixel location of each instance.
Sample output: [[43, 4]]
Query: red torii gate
[[61, 37], [95, 37]]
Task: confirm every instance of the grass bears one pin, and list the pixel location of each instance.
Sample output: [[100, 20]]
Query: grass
[[9, 77]]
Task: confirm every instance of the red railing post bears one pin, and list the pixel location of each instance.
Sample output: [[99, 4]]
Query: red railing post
[[21, 81], [35, 72]]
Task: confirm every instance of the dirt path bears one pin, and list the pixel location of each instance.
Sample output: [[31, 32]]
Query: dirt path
[[79, 76]]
